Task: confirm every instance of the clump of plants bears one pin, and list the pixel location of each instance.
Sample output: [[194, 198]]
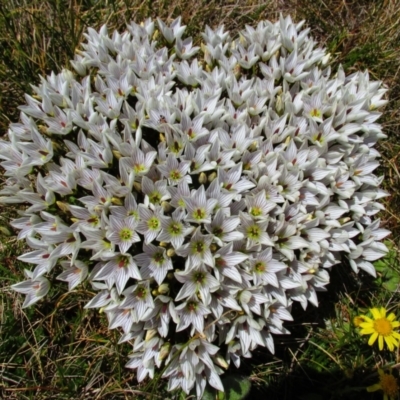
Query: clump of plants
[[201, 190]]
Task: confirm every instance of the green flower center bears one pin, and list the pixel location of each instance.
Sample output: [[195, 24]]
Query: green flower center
[[125, 234], [155, 197], [198, 247], [253, 232], [93, 220], [175, 229], [199, 277], [220, 262], [218, 232], [316, 113], [138, 168], [122, 261], [259, 267], [199, 214], [318, 138], [181, 203], [175, 175], [106, 244], [153, 223], [133, 214], [192, 306], [141, 293], [158, 257], [256, 211], [176, 147]]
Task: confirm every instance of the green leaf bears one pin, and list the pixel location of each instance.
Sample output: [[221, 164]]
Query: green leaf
[[388, 270], [236, 388]]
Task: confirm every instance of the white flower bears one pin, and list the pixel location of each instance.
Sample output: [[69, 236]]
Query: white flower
[[196, 280], [122, 232], [264, 268], [245, 174], [74, 274], [154, 262], [174, 230], [191, 312], [150, 222], [173, 32], [174, 171], [118, 269], [34, 289], [198, 207], [139, 299], [197, 250]]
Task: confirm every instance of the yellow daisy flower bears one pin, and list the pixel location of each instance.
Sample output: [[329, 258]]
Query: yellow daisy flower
[[381, 327], [359, 319], [388, 384]]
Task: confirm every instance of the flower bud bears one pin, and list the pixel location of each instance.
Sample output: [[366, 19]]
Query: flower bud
[[212, 176], [325, 59], [237, 71], [213, 247], [43, 129], [150, 334], [279, 105], [117, 154], [253, 146], [163, 288], [62, 206], [219, 360], [117, 201], [166, 206], [171, 252], [164, 351], [202, 178]]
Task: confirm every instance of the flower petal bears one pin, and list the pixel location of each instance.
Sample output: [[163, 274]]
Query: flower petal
[[373, 338]]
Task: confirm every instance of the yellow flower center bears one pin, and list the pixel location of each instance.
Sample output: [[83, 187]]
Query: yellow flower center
[[175, 175], [125, 234], [383, 326], [259, 267], [153, 223], [138, 168], [389, 385], [316, 113], [256, 211]]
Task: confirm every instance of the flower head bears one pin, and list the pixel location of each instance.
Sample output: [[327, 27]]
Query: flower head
[[381, 327], [388, 384], [122, 232]]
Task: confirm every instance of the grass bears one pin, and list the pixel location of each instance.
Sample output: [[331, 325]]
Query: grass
[[59, 350]]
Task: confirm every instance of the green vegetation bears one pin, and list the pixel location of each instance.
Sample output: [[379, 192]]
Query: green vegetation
[[59, 350]]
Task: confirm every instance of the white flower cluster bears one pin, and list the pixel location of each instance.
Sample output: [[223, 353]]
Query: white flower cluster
[[199, 196]]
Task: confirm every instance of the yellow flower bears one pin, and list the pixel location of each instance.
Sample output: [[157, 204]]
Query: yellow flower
[[381, 328], [358, 320], [388, 384]]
